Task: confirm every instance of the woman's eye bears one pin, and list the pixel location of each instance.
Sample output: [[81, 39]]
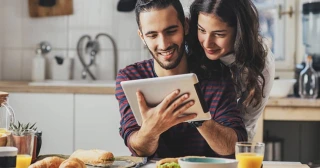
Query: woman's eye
[[220, 35], [201, 30]]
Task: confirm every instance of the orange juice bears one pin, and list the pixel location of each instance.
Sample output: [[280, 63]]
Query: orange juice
[[23, 161], [249, 160]]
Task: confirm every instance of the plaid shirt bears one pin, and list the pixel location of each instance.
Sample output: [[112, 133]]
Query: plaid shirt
[[182, 139]]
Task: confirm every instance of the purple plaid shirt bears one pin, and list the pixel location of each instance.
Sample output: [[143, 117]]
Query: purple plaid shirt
[[182, 139]]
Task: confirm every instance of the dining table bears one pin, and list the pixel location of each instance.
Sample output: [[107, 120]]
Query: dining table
[[266, 164]]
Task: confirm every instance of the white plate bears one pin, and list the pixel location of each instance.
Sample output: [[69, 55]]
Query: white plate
[[117, 163]]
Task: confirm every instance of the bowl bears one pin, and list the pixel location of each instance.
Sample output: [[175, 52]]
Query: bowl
[[282, 87], [207, 162]]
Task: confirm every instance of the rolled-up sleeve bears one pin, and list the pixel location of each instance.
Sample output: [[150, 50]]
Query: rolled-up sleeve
[[128, 124], [227, 112]]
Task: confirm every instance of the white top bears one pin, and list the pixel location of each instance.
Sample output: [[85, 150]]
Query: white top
[[251, 114]]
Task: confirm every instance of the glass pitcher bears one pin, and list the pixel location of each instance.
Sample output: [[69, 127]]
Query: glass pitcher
[[7, 115]]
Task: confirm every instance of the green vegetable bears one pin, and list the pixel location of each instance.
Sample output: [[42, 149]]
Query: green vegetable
[[170, 165]]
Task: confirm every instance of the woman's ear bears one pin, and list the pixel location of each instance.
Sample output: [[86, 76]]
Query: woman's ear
[[141, 37], [186, 26]]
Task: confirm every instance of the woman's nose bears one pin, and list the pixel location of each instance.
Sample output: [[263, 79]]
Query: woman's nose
[[209, 41]]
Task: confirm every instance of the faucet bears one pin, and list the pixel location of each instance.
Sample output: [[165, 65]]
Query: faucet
[[92, 48]]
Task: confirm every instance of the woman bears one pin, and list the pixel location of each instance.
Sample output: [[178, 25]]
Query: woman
[[227, 31]]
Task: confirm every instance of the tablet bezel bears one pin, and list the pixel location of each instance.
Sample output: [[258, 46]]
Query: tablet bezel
[[156, 89]]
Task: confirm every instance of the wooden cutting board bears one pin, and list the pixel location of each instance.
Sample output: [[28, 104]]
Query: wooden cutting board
[[62, 7]]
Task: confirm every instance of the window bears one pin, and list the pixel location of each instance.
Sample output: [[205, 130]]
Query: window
[[277, 26]]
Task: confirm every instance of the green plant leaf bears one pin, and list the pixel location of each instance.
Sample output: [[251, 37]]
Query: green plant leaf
[[33, 126]]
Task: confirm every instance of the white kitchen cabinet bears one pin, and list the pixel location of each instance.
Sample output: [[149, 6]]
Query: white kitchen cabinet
[[97, 121], [54, 114]]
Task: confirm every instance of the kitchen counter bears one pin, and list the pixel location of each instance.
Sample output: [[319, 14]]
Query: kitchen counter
[[288, 109], [293, 102], [24, 86]]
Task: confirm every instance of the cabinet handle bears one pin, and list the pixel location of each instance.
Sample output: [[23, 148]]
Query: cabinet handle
[[280, 12]]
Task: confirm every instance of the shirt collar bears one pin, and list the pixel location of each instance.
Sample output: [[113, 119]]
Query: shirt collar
[[228, 59]]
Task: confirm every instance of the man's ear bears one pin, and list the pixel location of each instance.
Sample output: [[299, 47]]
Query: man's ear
[[141, 36], [186, 26]]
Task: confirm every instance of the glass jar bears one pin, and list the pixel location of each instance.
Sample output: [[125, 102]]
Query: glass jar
[[308, 81], [7, 115]]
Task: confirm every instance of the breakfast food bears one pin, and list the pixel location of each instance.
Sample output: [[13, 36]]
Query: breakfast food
[[72, 163], [94, 157], [49, 162], [168, 163]]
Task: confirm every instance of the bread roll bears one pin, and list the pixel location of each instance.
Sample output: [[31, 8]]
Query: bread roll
[[49, 162], [72, 163], [94, 157]]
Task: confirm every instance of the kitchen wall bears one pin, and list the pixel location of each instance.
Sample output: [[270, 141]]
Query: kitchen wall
[[20, 34]]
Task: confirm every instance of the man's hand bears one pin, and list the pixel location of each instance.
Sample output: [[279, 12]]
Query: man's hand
[[156, 120]]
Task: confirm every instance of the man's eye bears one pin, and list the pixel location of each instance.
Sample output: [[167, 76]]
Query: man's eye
[[201, 30], [152, 36], [171, 31]]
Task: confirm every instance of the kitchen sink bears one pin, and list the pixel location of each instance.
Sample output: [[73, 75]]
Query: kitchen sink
[[85, 83]]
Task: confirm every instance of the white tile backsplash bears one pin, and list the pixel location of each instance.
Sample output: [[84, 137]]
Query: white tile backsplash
[[104, 69], [76, 33], [11, 63], [51, 29], [26, 68], [12, 23], [20, 34], [126, 34], [1, 36], [1, 67], [128, 57], [50, 60], [91, 14], [106, 63]]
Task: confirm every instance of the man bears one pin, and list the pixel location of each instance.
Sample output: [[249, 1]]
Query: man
[[163, 133]]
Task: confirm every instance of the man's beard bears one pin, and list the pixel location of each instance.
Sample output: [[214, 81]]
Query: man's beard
[[171, 65]]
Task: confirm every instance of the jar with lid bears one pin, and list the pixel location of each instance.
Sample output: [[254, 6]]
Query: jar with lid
[[7, 115]]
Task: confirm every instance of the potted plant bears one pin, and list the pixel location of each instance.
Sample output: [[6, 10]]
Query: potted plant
[[20, 128]]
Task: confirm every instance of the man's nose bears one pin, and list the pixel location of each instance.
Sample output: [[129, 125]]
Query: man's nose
[[163, 42]]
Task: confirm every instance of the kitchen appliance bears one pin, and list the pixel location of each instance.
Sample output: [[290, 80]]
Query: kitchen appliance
[[311, 36]]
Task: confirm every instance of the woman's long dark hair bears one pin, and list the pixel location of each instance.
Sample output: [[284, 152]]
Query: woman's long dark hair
[[248, 47]]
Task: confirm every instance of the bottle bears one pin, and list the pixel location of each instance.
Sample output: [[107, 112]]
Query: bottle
[[308, 81], [38, 67], [7, 115]]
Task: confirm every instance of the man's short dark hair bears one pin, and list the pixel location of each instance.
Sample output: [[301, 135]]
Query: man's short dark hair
[[147, 5]]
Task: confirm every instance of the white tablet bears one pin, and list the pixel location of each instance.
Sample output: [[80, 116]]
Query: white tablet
[[156, 89]]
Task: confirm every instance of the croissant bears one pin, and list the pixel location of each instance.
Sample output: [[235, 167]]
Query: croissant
[[49, 162], [94, 157], [72, 163]]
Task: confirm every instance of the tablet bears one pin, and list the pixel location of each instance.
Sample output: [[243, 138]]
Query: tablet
[[156, 89]]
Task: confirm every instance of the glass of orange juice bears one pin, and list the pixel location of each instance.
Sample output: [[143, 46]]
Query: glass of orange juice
[[249, 154], [24, 142]]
